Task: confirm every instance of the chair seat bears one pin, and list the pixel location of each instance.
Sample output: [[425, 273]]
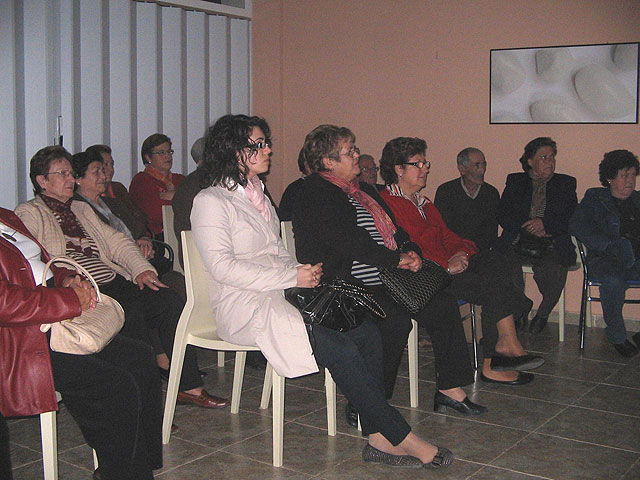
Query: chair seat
[[594, 282]]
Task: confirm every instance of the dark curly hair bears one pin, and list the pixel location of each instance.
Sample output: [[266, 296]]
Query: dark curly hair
[[41, 161], [81, 161], [224, 141], [396, 152], [615, 161], [532, 147], [324, 141]]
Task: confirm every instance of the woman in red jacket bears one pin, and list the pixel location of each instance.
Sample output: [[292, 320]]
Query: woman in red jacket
[[112, 394], [478, 278]]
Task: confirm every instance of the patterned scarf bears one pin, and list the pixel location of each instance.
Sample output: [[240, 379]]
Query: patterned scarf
[[71, 226], [255, 193], [538, 196], [383, 223], [157, 174]]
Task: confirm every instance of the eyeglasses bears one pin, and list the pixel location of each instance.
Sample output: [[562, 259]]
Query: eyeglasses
[[163, 152], [62, 173], [551, 156], [426, 163], [352, 152], [367, 169], [259, 145]]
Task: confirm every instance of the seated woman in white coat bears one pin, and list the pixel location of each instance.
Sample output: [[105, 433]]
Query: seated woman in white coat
[[236, 231]]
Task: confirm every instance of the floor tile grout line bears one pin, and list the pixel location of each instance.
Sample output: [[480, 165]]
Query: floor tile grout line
[[635, 452]]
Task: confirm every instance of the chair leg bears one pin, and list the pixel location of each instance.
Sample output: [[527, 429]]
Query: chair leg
[[583, 312], [589, 318], [49, 445], [175, 372], [266, 387], [413, 364], [472, 309], [220, 358], [561, 317], [278, 419], [238, 377], [330, 391]]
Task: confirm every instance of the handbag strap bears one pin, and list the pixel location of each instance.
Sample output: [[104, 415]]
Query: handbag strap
[[79, 268]]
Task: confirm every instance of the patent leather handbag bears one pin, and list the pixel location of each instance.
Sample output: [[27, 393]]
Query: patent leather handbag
[[93, 329], [335, 304]]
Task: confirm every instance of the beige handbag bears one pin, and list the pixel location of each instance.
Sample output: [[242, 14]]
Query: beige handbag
[[93, 329]]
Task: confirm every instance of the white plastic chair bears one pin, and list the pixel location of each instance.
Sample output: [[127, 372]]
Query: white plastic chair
[[197, 326], [286, 232], [527, 269], [170, 236], [49, 439]]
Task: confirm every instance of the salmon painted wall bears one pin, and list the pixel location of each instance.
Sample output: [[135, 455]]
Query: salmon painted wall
[[388, 68]]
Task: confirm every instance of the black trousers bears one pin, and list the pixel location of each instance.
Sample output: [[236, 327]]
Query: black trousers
[[488, 281], [355, 361], [548, 273], [146, 309], [5, 449], [441, 318], [115, 398]]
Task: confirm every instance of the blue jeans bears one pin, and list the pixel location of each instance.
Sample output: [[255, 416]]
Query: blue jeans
[[613, 278], [355, 361]]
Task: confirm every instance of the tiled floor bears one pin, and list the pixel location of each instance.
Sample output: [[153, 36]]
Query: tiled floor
[[579, 419]]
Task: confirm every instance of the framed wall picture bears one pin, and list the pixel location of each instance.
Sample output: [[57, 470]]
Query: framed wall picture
[[565, 84]]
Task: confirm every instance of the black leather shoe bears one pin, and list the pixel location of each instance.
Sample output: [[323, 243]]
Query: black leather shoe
[[372, 454], [537, 324], [351, 415], [465, 407], [626, 349], [500, 363], [636, 339], [521, 321], [523, 379]]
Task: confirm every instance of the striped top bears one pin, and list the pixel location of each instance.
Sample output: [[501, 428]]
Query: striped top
[[367, 274]]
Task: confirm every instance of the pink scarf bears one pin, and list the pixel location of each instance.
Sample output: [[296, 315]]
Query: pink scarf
[[383, 223], [254, 192]]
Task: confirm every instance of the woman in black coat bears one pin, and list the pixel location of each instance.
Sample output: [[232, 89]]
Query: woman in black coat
[[539, 203]]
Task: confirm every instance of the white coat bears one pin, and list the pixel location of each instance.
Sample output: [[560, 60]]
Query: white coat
[[247, 270]]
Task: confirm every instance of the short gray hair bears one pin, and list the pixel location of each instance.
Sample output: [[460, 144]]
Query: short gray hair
[[463, 156], [197, 150]]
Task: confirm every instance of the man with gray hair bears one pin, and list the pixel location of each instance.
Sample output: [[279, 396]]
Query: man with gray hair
[[468, 204]]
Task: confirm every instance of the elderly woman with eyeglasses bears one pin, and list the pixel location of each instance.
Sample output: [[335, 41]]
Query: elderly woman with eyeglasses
[[534, 213], [480, 278], [156, 185]]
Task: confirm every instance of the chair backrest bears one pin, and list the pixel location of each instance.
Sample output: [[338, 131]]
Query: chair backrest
[[286, 232], [583, 256], [170, 235], [201, 317]]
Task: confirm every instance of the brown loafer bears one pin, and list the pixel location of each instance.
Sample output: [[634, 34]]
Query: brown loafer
[[204, 400]]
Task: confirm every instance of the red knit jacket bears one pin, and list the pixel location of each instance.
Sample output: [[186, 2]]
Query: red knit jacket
[[437, 242]]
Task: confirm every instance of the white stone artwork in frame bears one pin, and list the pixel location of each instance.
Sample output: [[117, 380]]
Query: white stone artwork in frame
[[565, 84]]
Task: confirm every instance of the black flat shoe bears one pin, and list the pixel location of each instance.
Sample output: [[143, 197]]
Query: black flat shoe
[[501, 363], [351, 415], [523, 379], [537, 324], [626, 349], [443, 458], [466, 407], [372, 454]]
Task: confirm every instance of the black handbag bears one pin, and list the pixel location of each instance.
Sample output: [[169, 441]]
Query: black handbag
[[414, 290], [531, 246], [334, 304]]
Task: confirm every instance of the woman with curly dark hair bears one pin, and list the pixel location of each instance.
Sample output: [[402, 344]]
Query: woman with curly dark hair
[[236, 231], [607, 221]]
